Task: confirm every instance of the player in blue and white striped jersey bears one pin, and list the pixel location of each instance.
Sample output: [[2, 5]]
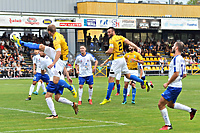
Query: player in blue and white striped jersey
[[177, 72], [85, 71]]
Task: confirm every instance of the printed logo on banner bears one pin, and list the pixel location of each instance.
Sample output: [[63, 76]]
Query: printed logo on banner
[[155, 24], [47, 21], [70, 24], [32, 21], [115, 23], [65, 20], [128, 23], [104, 23], [90, 22], [188, 24], [14, 20]]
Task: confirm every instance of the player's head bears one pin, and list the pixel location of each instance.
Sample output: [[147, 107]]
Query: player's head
[[178, 46], [130, 48], [51, 29], [111, 31], [36, 52], [82, 49], [42, 54]]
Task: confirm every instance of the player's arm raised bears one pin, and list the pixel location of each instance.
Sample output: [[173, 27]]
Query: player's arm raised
[[133, 45], [106, 61]]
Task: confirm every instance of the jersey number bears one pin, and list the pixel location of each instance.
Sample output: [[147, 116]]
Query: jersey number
[[120, 46]]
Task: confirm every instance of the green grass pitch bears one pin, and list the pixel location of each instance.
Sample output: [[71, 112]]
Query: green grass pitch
[[18, 115]]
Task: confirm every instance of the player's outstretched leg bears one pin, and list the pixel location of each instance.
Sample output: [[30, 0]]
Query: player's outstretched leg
[[64, 84], [26, 44], [66, 101], [144, 83], [192, 111]]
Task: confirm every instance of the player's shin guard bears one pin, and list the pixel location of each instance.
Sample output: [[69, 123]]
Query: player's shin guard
[[109, 90], [64, 84], [133, 77], [30, 45], [125, 93], [133, 93]]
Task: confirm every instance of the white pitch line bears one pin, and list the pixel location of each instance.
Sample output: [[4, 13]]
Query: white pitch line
[[62, 128], [33, 112]]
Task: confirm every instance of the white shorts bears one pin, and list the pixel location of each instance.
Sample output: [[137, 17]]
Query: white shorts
[[132, 72], [118, 66], [118, 76], [60, 64]]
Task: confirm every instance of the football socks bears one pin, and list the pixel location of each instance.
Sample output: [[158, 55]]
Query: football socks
[[109, 90]]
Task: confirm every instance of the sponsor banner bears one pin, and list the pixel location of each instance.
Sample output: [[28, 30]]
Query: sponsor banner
[[105, 23], [70, 24], [179, 23], [198, 24], [128, 23], [31, 21], [11, 21], [64, 19], [89, 22], [148, 23]]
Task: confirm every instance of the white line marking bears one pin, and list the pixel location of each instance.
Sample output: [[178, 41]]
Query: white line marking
[[56, 128], [41, 113]]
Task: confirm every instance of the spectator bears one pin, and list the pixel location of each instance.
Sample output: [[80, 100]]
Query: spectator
[[15, 56], [88, 40], [95, 41], [187, 61], [165, 62], [190, 60], [23, 63], [100, 41], [28, 71], [18, 71], [154, 52], [21, 57]]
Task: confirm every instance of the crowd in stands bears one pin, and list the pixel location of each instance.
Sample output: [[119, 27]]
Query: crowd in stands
[[12, 61]]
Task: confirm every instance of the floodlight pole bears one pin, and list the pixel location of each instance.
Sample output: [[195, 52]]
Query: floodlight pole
[[116, 7]]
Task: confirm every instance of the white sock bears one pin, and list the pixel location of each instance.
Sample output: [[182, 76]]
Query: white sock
[[182, 107], [90, 93], [80, 92], [31, 89], [129, 88], [65, 101], [165, 116], [51, 105], [38, 86], [43, 87]]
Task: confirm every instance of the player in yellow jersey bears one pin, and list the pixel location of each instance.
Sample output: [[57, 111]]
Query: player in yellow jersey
[[119, 63], [118, 76], [132, 59], [58, 55]]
